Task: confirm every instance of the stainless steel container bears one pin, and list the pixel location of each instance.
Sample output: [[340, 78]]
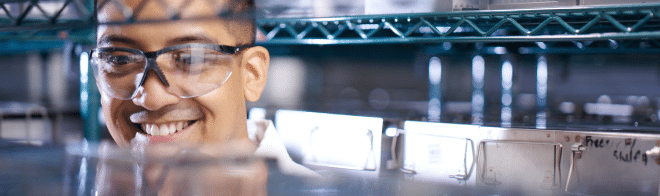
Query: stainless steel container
[[610, 2], [523, 4]]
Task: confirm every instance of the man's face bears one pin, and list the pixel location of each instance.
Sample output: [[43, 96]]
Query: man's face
[[217, 116]]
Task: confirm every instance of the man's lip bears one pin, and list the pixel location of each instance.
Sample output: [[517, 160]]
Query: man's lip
[[163, 121]]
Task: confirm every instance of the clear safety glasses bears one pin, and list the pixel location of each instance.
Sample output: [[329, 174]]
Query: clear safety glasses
[[187, 70]]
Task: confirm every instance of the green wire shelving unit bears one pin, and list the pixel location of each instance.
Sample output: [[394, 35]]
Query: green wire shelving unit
[[622, 22]]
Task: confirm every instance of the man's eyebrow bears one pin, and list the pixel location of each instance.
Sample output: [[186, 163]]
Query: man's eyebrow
[[114, 39], [191, 39]]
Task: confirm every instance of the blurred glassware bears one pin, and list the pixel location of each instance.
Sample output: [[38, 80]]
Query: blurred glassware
[[163, 169], [18, 123]]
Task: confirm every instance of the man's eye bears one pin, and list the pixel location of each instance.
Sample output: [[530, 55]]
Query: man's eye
[[193, 61], [184, 59], [119, 63], [119, 60]]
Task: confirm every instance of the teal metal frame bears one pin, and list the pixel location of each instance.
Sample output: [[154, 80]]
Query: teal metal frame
[[89, 100], [635, 21], [48, 26]]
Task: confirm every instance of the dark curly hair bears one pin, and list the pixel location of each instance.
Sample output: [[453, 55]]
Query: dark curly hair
[[239, 17], [242, 25]]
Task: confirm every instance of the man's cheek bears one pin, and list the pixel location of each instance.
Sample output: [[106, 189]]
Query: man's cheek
[[105, 99], [115, 121]]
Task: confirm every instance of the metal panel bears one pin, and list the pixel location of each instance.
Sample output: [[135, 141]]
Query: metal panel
[[331, 140], [523, 4], [521, 161], [610, 163], [615, 2], [520, 166], [419, 6], [440, 152], [532, 162]]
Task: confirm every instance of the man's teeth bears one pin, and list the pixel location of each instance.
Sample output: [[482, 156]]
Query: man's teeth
[[164, 129]]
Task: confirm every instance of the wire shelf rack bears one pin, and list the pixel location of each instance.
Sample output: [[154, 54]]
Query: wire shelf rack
[[47, 20], [621, 22]]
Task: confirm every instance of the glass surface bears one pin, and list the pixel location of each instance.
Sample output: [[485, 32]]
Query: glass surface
[[105, 169]]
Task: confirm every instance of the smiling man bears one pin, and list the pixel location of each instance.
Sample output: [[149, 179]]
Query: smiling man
[[184, 81], [181, 72]]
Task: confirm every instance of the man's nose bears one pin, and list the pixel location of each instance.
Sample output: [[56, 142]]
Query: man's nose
[[153, 94]]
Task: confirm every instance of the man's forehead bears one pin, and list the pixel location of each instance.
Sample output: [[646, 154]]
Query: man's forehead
[[143, 37], [149, 10]]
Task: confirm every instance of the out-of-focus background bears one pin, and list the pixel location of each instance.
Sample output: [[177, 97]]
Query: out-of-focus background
[[599, 82], [475, 66]]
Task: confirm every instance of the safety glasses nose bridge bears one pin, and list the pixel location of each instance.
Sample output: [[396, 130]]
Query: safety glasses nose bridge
[[152, 65]]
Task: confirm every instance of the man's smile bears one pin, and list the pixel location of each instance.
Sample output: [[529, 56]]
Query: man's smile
[[165, 128], [173, 131], [168, 121]]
